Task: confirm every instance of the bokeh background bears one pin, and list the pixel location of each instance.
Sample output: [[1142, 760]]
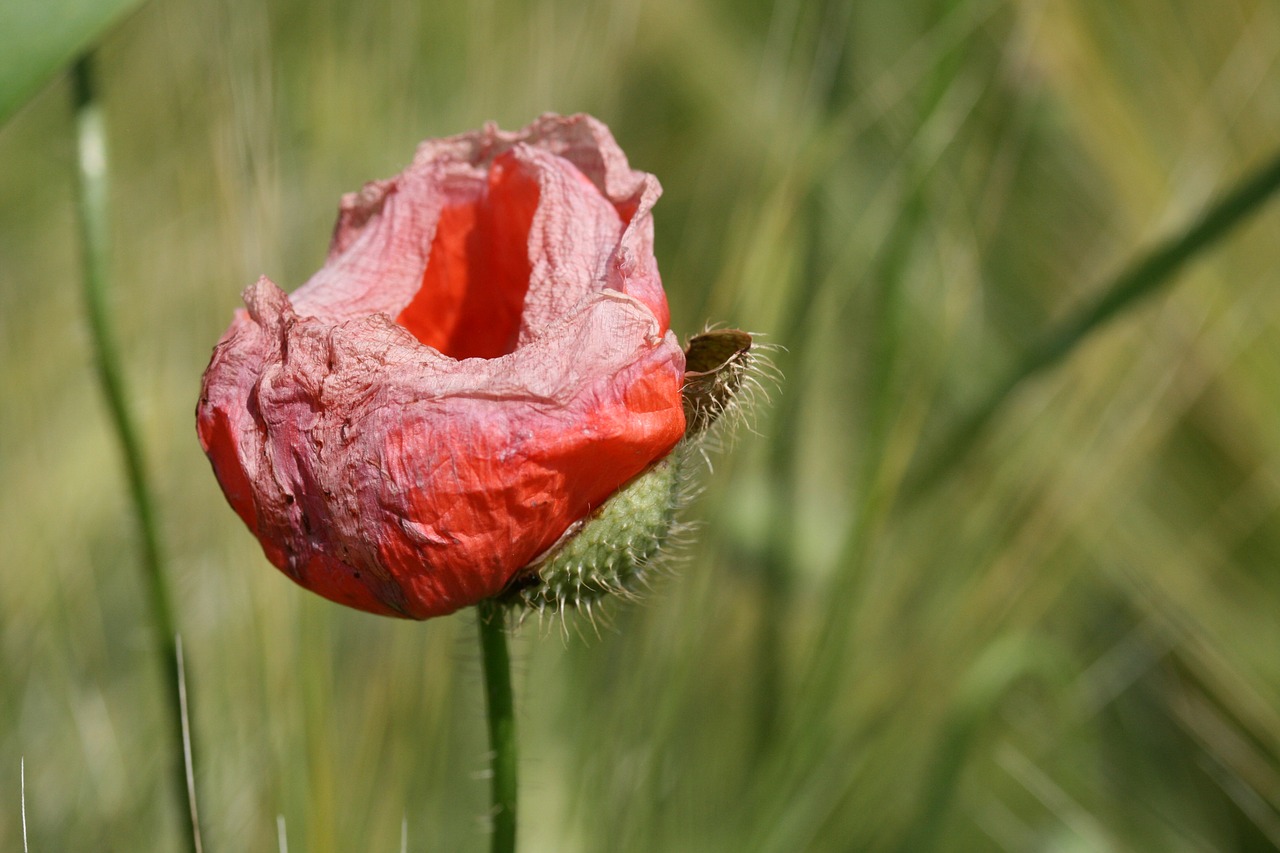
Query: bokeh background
[[1070, 643]]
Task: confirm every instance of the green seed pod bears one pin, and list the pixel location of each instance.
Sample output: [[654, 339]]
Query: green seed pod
[[612, 552], [606, 553]]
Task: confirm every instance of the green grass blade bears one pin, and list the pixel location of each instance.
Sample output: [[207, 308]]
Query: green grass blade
[[39, 39], [1144, 278]]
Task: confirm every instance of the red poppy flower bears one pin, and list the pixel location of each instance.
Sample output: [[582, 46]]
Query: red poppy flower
[[482, 361]]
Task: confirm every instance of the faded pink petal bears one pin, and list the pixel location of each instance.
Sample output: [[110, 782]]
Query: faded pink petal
[[482, 361]]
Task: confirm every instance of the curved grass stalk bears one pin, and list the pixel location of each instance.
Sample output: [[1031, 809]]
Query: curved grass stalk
[[91, 204]]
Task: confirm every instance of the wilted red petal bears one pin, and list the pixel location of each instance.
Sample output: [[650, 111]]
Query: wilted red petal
[[482, 361]]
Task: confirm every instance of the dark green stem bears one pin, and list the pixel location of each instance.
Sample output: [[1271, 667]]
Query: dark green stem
[[91, 202], [502, 723], [1143, 278]]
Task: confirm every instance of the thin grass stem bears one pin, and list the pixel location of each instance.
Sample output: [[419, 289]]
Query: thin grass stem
[[502, 724], [22, 788], [91, 203], [188, 762]]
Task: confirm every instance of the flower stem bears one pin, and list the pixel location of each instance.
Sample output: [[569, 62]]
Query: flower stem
[[91, 203], [502, 723]]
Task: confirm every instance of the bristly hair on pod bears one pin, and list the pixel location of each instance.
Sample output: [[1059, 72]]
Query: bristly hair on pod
[[616, 552]]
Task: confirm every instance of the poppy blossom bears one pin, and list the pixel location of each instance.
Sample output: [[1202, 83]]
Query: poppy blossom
[[482, 362]]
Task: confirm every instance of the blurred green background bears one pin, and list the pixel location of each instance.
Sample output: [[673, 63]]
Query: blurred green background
[[1072, 643]]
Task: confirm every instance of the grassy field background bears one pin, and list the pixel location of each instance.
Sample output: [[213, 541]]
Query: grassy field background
[[1070, 643]]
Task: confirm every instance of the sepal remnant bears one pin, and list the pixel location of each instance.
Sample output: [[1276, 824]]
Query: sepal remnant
[[715, 362]]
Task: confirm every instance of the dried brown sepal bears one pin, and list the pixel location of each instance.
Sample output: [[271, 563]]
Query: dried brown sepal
[[714, 365]]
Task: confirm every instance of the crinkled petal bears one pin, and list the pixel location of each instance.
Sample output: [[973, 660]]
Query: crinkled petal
[[483, 360]]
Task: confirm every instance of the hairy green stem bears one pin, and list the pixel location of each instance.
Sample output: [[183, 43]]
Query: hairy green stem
[[91, 202], [502, 723], [1145, 277]]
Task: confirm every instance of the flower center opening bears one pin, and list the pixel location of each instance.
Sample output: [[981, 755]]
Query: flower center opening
[[473, 289]]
